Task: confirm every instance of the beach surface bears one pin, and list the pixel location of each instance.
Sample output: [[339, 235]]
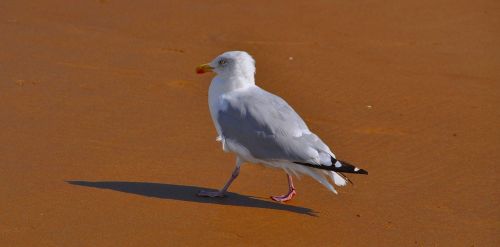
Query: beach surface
[[106, 137]]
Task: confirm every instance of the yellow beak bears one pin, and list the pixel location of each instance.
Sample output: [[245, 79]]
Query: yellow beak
[[204, 68]]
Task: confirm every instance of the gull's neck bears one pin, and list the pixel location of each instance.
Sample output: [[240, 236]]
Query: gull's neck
[[225, 84]]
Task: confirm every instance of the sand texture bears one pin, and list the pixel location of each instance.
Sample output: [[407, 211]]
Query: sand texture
[[106, 137]]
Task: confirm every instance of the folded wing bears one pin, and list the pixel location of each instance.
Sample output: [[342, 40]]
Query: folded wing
[[269, 129]]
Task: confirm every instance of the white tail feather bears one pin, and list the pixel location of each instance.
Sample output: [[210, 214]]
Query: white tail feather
[[319, 175], [337, 179]]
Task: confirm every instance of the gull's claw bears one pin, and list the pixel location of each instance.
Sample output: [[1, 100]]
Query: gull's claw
[[285, 198]]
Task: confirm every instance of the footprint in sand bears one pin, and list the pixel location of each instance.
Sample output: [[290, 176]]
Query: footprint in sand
[[183, 84], [172, 50], [379, 131], [22, 83]]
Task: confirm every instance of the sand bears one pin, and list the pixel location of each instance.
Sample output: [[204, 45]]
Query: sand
[[105, 134]]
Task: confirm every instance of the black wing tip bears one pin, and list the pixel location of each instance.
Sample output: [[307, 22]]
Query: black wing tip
[[350, 167], [362, 171], [346, 167]]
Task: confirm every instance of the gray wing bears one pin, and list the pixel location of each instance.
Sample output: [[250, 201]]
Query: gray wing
[[269, 128]]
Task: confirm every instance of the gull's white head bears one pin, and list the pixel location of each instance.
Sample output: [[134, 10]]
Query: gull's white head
[[231, 64]]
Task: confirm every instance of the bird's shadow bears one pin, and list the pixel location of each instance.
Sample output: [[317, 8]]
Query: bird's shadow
[[189, 193]]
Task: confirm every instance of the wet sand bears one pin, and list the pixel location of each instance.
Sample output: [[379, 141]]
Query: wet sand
[[105, 134]]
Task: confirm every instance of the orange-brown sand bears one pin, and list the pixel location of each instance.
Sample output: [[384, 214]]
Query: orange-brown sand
[[105, 134]]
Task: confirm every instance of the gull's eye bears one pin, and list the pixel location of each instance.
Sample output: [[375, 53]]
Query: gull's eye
[[222, 62]]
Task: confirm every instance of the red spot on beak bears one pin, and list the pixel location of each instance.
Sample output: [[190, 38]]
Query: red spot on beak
[[203, 69], [200, 70]]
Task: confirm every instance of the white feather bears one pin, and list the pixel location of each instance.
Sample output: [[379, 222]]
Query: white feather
[[337, 179]]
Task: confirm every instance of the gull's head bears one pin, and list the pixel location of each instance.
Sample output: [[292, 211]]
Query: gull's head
[[231, 64]]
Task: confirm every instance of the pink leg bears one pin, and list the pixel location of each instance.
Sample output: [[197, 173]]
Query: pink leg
[[291, 192], [222, 191]]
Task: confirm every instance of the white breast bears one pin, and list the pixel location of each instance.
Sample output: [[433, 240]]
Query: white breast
[[215, 92], [219, 88]]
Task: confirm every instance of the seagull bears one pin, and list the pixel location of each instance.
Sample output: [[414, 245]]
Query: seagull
[[260, 127]]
